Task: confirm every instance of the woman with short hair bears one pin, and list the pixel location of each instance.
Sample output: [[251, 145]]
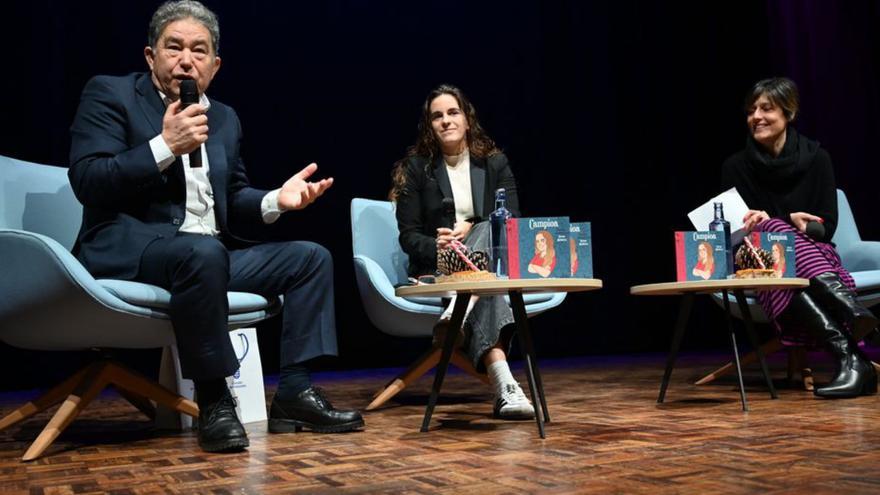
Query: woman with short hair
[[788, 182]]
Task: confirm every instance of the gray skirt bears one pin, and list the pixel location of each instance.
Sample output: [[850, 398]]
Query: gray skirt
[[489, 315]]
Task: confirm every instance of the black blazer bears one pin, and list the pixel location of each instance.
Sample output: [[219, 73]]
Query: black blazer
[[128, 202], [420, 204]]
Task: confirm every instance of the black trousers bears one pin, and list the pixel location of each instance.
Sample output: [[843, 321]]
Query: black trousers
[[198, 270]]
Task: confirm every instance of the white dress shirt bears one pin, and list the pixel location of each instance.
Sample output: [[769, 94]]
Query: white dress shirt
[[460, 180], [200, 218]]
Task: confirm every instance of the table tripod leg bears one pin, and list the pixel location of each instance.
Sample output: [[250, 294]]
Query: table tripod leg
[[684, 312], [458, 311], [753, 340], [739, 375], [536, 387]]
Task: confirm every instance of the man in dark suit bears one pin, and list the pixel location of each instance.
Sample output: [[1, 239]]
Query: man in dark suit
[[163, 189]]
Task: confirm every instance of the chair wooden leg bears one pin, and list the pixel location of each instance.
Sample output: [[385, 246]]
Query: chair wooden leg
[[80, 389], [798, 368], [401, 381], [460, 360], [807, 379], [767, 348], [93, 381], [139, 385], [45, 401], [419, 368], [143, 405]]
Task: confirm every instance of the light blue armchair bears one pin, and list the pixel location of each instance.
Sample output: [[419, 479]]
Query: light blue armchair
[[48, 301], [380, 265], [860, 257]]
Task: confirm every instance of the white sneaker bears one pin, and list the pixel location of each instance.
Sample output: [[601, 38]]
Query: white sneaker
[[512, 403]]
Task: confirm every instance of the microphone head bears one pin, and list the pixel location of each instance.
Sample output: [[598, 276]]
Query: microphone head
[[815, 230], [448, 206], [189, 92]]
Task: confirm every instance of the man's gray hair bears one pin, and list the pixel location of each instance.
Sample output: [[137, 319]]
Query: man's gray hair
[[175, 10]]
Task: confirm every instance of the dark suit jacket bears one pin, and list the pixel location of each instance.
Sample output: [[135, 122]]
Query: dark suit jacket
[[420, 205], [128, 202]]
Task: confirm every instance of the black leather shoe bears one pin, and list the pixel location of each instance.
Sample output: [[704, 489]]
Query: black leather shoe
[[219, 427], [311, 410]]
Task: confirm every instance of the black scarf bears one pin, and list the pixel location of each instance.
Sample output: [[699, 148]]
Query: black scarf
[[784, 170]]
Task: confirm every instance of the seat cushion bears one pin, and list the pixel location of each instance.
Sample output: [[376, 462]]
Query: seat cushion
[[427, 301], [140, 294], [528, 299], [868, 287], [867, 282]]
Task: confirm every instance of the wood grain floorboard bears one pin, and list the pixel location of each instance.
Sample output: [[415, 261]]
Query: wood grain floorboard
[[608, 435]]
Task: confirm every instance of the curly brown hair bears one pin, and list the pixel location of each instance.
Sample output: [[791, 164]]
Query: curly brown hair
[[427, 146]]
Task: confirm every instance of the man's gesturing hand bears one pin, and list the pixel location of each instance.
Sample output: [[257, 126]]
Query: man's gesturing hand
[[184, 130], [297, 192]]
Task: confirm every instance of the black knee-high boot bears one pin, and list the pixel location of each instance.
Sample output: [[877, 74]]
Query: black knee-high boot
[[855, 374], [829, 291]]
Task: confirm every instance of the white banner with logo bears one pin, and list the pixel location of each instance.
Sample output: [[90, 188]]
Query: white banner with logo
[[246, 384]]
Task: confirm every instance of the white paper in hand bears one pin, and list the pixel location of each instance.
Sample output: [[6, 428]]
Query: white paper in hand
[[735, 210]]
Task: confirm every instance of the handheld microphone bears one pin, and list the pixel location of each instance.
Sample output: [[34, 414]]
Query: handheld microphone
[[189, 95], [815, 230], [449, 212]]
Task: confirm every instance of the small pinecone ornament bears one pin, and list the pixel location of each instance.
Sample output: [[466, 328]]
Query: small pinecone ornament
[[752, 257], [480, 259], [449, 261]]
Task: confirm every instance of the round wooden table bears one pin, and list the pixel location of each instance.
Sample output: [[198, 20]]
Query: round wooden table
[[514, 288], [738, 286]]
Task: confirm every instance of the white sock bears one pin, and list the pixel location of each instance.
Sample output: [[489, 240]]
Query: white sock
[[499, 375]]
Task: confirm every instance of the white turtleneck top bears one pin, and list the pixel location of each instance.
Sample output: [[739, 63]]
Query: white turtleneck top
[[458, 167]]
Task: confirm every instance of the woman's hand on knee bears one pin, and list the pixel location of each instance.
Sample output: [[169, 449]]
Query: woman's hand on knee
[[461, 230], [800, 219], [752, 218]]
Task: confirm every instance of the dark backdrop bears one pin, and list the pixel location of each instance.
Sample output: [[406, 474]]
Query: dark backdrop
[[616, 112]]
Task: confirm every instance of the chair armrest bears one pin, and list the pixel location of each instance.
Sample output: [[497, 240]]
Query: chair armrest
[[391, 314], [375, 275], [37, 271], [372, 281], [538, 303], [861, 256]]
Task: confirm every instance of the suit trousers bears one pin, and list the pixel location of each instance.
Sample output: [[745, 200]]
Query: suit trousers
[[198, 270]]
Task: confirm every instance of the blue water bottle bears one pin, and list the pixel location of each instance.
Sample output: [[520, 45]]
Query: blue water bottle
[[498, 234], [723, 226]]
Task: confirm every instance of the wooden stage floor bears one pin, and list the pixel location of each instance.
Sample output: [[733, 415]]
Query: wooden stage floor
[[608, 435]]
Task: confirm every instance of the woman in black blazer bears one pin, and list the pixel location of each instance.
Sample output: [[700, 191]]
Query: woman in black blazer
[[454, 158]]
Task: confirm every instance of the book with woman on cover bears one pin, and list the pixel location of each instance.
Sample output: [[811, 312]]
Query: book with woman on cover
[[781, 248], [700, 256], [538, 247], [580, 249]]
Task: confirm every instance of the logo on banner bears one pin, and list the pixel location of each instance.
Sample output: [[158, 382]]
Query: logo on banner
[[247, 382], [246, 346]]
